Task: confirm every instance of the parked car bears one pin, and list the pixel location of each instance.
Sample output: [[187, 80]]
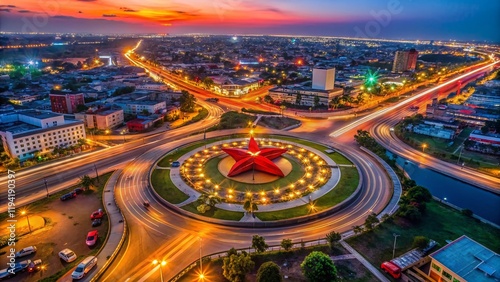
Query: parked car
[[26, 251], [97, 214], [176, 164], [78, 190], [96, 222], [84, 267], [68, 196], [18, 267], [92, 238], [67, 255], [35, 265]]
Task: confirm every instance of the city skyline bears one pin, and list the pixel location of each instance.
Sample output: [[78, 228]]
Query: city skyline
[[458, 20]]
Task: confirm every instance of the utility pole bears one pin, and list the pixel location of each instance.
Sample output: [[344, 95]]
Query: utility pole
[[96, 174], [394, 247], [46, 188]]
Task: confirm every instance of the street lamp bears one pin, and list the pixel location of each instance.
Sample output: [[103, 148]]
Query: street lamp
[[46, 188], [405, 163], [27, 218], [201, 264], [394, 247], [162, 263], [423, 147]]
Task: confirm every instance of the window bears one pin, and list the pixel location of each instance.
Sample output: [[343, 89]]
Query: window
[[54, 123], [15, 142], [447, 275], [456, 280], [436, 267]]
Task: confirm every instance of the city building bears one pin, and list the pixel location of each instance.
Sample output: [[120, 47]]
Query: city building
[[321, 92], [137, 125], [135, 107], [227, 86], [66, 103], [431, 130], [26, 133], [465, 260], [323, 78], [485, 138], [105, 118], [485, 98], [405, 61]]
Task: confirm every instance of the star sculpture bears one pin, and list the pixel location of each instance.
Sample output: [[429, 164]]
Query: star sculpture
[[254, 158]]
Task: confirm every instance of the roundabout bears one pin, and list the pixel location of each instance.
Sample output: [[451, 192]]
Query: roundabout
[[259, 179]]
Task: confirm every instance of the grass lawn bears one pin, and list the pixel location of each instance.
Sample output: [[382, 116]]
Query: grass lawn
[[214, 212], [347, 270], [211, 168], [163, 185], [338, 158], [440, 223], [348, 183], [277, 122]]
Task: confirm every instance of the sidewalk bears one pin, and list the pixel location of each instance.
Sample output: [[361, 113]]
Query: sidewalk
[[367, 264], [116, 234]]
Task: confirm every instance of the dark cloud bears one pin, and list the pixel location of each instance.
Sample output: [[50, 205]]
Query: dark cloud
[[8, 6], [87, 0], [63, 17], [5, 10], [131, 11], [23, 11], [109, 15], [80, 12], [180, 12], [274, 10]]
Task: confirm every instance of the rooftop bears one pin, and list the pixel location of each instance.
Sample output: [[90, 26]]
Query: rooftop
[[469, 259], [38, 114]]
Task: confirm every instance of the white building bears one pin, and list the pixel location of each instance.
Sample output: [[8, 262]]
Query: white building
[[323, 78], [138, 106], [24, 133], [308, 95], [102, 118]]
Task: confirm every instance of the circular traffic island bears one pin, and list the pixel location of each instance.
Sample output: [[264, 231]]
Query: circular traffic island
[[271, 178]]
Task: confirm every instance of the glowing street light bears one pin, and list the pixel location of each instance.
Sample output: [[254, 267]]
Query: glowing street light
[[424, 146], [27, 218]]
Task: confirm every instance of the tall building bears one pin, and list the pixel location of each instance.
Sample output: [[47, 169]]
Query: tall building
[[24, 133], [405, 61], [323, 78], [66, 103]]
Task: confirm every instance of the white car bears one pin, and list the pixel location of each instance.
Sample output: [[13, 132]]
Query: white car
[[26, 251], [67, 255], [84, 267]]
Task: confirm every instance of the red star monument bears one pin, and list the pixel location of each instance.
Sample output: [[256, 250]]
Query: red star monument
[[254, 158]]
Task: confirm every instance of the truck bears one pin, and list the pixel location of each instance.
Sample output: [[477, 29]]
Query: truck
[[392, 269]]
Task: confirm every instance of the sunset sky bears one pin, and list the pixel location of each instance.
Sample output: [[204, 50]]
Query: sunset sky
[[407, 19]]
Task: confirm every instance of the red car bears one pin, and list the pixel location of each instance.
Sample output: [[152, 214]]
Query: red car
[[92, 238], [97, 214]]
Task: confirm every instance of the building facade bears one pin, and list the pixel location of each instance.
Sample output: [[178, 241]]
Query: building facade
[[26, 133], [138, 106], [308, 95], [101, 119], [405, 61], [323, 78], [66, 103]]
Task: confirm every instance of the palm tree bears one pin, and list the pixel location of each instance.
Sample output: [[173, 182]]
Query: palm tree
[[249, 205], [335, 102], [210, 199], [282, 109], [86, 182]]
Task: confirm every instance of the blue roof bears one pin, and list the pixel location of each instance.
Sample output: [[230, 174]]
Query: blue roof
[[470, 260]]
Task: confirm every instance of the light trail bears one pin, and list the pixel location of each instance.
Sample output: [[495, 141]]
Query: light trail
[[377, 114]]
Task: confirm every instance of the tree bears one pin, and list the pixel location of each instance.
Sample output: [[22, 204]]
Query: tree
[[269, 272], [317, 266], [333, 238], [145, 112], [410, 212], [335, 102], [298, 99], [208, 201], [268, 99], [418, 194], [357, 229], [232, 251], [370, 221], [81, 108], [259, 243], [86, 182], [420, 242], [208, 82], [282, 109], [316, 101], [187, 102], [249, 205], [287, 244], [236, 267]]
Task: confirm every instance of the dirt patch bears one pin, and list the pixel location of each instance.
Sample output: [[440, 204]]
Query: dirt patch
[[66, 226]]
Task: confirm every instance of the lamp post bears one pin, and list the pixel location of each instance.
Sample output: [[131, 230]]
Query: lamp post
[[27, 218], [202, 276], [404, 165], [423, 147], [394, 247], [162, 263], [460, 155], [96, 174], [46, 188]]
